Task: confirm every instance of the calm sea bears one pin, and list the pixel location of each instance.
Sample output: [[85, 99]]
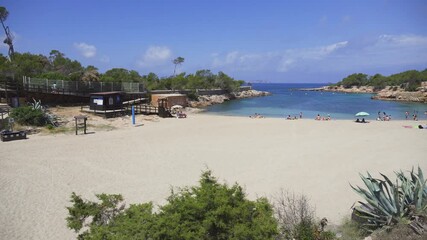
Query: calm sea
[[287, 100]]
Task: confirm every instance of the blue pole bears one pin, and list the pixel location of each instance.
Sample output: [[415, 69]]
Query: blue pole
[[133, 115]]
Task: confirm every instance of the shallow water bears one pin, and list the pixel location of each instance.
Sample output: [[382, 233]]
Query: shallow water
[[287, 100]]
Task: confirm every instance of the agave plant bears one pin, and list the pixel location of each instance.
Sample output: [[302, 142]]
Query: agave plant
[[388, 203], [37, 104]]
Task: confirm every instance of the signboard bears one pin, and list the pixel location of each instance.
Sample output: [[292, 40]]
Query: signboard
[[98, 102]]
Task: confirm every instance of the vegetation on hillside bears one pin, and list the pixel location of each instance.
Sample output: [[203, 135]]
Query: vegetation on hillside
[[57, 66], [408, 80]]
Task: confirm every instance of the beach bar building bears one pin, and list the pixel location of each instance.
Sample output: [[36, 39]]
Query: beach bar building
[[169, 100], [106, 101]]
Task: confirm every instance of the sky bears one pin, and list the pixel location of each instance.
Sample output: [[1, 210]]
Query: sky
[[305, 41]]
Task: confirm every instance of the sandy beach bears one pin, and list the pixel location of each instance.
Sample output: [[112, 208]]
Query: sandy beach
[[316, 158]]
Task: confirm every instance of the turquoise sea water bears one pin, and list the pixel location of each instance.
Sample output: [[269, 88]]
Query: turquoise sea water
[[286, 100]]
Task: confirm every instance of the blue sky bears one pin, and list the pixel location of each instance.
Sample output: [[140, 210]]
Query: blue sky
[[276, 41]]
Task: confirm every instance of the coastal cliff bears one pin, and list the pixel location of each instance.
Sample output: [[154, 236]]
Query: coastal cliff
[[398, 94], [392, 93], [207, 100]]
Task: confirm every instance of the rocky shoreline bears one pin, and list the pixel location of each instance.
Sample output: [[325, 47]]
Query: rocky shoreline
[[207, 100], [390, 93]]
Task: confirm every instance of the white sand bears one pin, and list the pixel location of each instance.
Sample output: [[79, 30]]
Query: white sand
[[317, 158]]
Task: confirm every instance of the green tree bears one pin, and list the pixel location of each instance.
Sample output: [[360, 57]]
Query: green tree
[[356, 79], [151, 81], [91, 74], [121, 75], [65, 66], [177, 61], [3, 14]]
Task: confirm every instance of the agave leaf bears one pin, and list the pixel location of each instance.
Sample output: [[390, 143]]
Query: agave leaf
[[368, 183], [420, 173], [362, 192], [385, 203], [420, 195], [366, 214], [387, 179]]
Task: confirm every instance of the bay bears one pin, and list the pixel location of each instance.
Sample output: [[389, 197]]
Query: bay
[[286, 100]]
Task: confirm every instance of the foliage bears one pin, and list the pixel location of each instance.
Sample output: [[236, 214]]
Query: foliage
[[193, 96], [409, 80], [3, 14], [351, 230], [208, 211], [37, 105], [57, 66], [356, 79], [296, 218], [388, 203], [177, 61], [121, 75], [28, 116]]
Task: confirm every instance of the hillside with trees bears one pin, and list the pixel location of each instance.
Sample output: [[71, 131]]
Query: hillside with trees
[[59, 67], [408, 80]]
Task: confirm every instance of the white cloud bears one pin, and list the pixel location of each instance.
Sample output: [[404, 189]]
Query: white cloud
[[155, 56], [402, 40], [85, 49], [274, 61], [382, 53]]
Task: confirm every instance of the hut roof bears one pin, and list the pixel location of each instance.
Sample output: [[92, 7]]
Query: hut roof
[[169, 95], [106, 93]]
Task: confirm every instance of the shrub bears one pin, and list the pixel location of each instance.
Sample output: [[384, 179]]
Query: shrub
[[208, 211], [296, 218], [28, 116], [193, 96]]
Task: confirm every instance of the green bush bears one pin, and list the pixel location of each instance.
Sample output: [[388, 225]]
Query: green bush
[[193, 96], [29, 116], [208, 211]]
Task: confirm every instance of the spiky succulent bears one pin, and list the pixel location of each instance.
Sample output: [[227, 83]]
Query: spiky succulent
[[388, 203]]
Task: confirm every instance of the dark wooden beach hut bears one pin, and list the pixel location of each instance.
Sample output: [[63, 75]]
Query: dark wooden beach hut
[[106, 101]]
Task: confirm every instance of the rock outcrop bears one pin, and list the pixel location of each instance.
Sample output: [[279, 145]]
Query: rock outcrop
[[393, 93], [207, 100], [362, 89], [399, 94]]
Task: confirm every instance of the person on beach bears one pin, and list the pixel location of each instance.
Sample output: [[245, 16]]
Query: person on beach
[[406, 115], [318, 117], [300, 115]]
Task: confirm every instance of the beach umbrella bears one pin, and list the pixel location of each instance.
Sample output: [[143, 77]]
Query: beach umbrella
[[362, 114], [176, 107]]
